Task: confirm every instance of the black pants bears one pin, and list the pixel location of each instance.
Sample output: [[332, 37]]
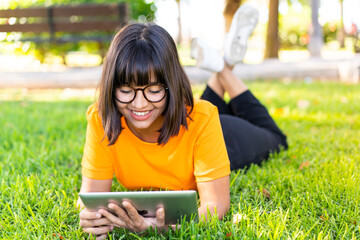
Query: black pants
[[249, 131]]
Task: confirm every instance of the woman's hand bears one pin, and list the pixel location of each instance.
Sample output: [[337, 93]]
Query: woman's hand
[[130, 219], [93, 223]]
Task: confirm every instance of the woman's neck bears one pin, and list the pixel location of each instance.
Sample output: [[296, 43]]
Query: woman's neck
[[151, 134]]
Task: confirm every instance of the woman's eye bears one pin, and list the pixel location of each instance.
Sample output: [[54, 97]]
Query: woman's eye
[[154, 91], [123, 91]]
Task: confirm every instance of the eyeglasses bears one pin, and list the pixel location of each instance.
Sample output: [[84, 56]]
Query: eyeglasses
[[153, 93]]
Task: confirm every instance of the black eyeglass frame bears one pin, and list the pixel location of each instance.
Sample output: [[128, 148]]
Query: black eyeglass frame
[[143, 92]]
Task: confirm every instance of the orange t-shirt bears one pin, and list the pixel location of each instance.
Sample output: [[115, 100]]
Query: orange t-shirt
[[194, 155]]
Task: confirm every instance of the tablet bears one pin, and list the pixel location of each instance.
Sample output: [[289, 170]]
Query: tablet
[[178, 205]]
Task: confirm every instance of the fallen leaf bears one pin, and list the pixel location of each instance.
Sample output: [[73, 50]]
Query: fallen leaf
[[228, 235], [304, 165], [323, 218], [279, 112], [58, 235], [265, 193]]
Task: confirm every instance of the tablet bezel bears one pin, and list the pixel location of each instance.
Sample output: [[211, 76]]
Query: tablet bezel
[[178, 205]]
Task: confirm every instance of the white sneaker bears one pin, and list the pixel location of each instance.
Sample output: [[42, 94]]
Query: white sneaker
[[206, 57], [243, 24]]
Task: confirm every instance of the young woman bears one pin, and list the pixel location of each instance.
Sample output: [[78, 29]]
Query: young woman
[[147, 129]]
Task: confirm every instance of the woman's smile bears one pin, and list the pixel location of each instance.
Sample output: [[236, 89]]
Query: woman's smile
[[141, 115]]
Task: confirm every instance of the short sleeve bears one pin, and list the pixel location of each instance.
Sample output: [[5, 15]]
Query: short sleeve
[[97, 158], [211, 160]]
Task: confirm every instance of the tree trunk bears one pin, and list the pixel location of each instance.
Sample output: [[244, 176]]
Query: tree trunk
[[341, 33], [272, 38], [179, 38], [316, 36], [230, 8]]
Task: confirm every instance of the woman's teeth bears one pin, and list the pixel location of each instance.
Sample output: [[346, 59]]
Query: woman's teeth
[[140, 113]]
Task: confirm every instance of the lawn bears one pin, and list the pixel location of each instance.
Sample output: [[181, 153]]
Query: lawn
[[311, 191]]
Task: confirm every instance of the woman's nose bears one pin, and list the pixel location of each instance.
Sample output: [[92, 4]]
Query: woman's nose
[[140, 101]]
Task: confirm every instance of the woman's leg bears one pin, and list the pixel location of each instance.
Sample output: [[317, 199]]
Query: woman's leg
[[214, 93], [250, 133], [210, 59], [247, 143]]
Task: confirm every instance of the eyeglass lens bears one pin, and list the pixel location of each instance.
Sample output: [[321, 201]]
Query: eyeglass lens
[[152, 93]]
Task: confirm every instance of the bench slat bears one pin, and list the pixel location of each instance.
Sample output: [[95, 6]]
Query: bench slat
[[34, 27], [87, 26], [63, 27], [66, 11], [67, 39], [24, 12], [87, 10]]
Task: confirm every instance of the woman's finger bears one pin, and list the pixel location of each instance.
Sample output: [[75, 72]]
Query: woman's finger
[[86, 214], [98, 230], [175, 226], [113, 219], [94, 223], [160, 217], [132, 212], [101, 237], [136, 222]]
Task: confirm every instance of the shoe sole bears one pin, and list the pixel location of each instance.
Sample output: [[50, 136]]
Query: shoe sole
[[205, 56], [244, 22]]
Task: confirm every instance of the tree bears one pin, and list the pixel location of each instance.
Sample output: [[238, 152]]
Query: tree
[[179, 38], [229, 10], [316, 36], [272, 37], [341, 33]]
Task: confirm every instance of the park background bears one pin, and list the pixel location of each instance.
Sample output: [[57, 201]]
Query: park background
[[310, 191]]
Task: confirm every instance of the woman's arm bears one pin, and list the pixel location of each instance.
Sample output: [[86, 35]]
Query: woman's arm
[[213, 195], [92, 185], [93, 222]]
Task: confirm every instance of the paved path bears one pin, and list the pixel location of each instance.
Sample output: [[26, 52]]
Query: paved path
[[346, 70]]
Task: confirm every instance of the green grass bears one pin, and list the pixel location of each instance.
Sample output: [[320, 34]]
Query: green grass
[[314, 187]]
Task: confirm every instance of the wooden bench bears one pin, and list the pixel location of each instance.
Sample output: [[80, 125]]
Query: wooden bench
[[64, 24]]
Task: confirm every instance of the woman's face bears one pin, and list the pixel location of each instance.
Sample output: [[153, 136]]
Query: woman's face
[[141, 115]]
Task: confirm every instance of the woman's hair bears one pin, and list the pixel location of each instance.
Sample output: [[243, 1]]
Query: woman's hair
[[137, 53]]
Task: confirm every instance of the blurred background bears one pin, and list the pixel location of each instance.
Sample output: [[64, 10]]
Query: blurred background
[[288, 31]]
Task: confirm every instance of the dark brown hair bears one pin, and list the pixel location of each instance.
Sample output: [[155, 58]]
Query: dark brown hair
[[137, 52]]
